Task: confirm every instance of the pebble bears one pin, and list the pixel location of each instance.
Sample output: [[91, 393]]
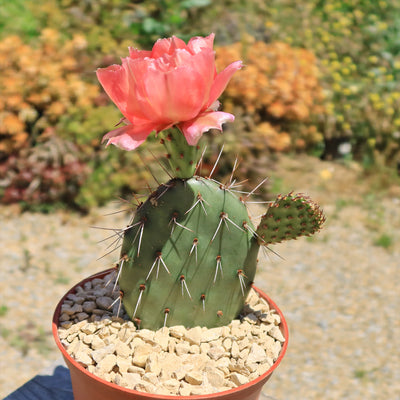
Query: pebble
[[238, 379], [173, 360], [194, 378]]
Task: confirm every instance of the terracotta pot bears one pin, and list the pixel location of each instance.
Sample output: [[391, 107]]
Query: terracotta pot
[[87, 386]]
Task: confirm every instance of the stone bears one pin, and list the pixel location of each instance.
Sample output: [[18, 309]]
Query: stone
[[81, 316], [244, 343], [104, 332], [146, 387], [152, 364], [100, 354], [82, 356], [238, 379], [172, 385], [151, 377], [235, 351], [227, 343], [64, 317], [104, 302], [88, 329], [162, 337], [238, 333], [185, 389], [274, 349], [146, 335], [199, 390], [66, 325], [194, 349], [141, 354], [136, 370], [123, 364], [209, 335], [169, 363], [251, 318], [256, 355], [171, 345], [97, 343], [193, 335], [194, 378], [107, 363], [88, 306], [244, 353], [177, 331], [216, 352], [204, 347], [182, 348], [215, 377], [87, 339], [276, 333], [122, 349], [128, 380]]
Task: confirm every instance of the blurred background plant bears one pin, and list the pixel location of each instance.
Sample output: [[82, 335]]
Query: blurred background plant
[[320, 77]]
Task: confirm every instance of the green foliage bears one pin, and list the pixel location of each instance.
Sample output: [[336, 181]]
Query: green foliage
[[3, 310], [384, 241], [16, 18], [357, 44]]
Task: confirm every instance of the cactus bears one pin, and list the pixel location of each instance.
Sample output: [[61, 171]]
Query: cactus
[[189, 254]]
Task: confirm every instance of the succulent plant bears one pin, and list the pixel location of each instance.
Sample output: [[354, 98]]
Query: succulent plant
[[189, 254]]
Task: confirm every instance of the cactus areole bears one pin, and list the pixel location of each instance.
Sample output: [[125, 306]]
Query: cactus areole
[[189, 253]]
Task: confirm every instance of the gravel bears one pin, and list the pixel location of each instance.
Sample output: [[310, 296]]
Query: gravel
[[173, 360]]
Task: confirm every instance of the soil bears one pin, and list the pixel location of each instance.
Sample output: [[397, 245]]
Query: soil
[[338, 289]]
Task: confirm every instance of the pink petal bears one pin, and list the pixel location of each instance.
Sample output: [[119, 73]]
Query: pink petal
[[193, 129], [167, 46], [222, 79], [176, 95], [128, 137], [196, 44], [136, 53], [204, 64], [116, 85]]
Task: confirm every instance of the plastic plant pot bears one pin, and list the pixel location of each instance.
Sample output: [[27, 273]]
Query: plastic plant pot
[[87, 386]]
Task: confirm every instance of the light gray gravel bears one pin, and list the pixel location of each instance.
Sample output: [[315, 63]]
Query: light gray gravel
[[339, 291]]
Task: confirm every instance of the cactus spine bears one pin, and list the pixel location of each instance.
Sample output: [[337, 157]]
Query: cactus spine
[[189, 255]]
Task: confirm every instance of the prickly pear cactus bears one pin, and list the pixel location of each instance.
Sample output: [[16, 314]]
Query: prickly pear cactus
[[189, 255]]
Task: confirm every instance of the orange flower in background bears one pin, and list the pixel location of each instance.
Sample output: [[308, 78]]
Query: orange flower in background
[[174, 84]]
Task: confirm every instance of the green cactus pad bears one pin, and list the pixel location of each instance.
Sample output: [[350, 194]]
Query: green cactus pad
[[289, 217], [188, 257]]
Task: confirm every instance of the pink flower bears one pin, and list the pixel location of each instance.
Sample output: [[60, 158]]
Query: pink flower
[[173, 84]]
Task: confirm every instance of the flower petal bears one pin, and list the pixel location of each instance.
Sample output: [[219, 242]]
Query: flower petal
[[176, 95], [196, 44], [193, 129], [167, 46], [116, 85], [128, 137], [222, 80]]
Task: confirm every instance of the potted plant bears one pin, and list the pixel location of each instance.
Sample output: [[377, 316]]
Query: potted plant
[[189, 254]]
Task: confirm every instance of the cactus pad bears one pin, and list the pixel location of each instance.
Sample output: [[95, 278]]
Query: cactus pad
[[289, 217], [188, 256]]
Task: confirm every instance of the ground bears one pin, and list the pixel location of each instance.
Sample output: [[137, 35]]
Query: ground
[[338, 289]]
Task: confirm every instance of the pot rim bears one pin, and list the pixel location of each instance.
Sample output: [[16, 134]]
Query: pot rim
[[283, 326]]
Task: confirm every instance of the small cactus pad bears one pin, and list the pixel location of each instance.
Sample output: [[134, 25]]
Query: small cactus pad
[[289, 217], [188, 257]]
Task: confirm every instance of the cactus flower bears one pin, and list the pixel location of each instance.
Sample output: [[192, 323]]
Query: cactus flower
[[174, 84]]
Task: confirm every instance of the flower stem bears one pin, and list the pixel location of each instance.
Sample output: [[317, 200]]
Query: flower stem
[[182, 157]]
